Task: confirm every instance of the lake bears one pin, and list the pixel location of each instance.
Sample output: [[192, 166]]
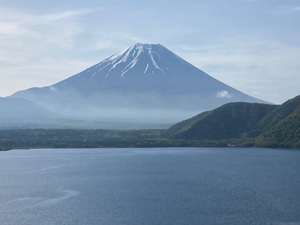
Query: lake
[[150, 186]]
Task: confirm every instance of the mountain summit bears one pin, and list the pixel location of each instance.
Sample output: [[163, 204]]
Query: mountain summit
[[145, 83]]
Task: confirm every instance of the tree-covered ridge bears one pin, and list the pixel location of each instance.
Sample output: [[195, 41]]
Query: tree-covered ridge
[[280, 113], [285, 134], [228, 121], [241, 123]]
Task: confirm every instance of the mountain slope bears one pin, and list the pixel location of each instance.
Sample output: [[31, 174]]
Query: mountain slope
[[286, 134], [228, 121], [281, 112], [21, 113], [146, 83], [286, 129]]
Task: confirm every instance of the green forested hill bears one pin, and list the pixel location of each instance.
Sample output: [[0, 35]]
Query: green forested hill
[[270, 125], [284, 134], [228, 121], [281, 112]]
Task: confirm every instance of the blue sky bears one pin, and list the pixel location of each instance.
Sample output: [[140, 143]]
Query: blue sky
[[251, 45]]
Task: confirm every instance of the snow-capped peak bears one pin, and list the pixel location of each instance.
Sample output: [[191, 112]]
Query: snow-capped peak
[[142, 56]]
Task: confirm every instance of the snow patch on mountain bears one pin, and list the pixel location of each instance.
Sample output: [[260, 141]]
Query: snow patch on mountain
[[154, 63], [146, 68]]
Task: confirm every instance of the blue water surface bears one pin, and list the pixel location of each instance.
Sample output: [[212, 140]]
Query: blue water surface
[[150, 186]]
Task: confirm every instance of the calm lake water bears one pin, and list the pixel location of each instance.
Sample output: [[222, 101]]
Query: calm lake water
[[150, 186]]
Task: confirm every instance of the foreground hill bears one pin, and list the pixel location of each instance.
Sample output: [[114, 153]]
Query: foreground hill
[[280, 113], [285, 134], [271, 125], [226, 122]]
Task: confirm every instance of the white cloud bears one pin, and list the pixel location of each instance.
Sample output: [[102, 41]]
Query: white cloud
[[287, 10], [296, 9], [67, 14], [9, 28], [37, 50], [223, 94]]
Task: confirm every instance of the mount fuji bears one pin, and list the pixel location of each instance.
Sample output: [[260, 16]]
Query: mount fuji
[[146, 83]]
